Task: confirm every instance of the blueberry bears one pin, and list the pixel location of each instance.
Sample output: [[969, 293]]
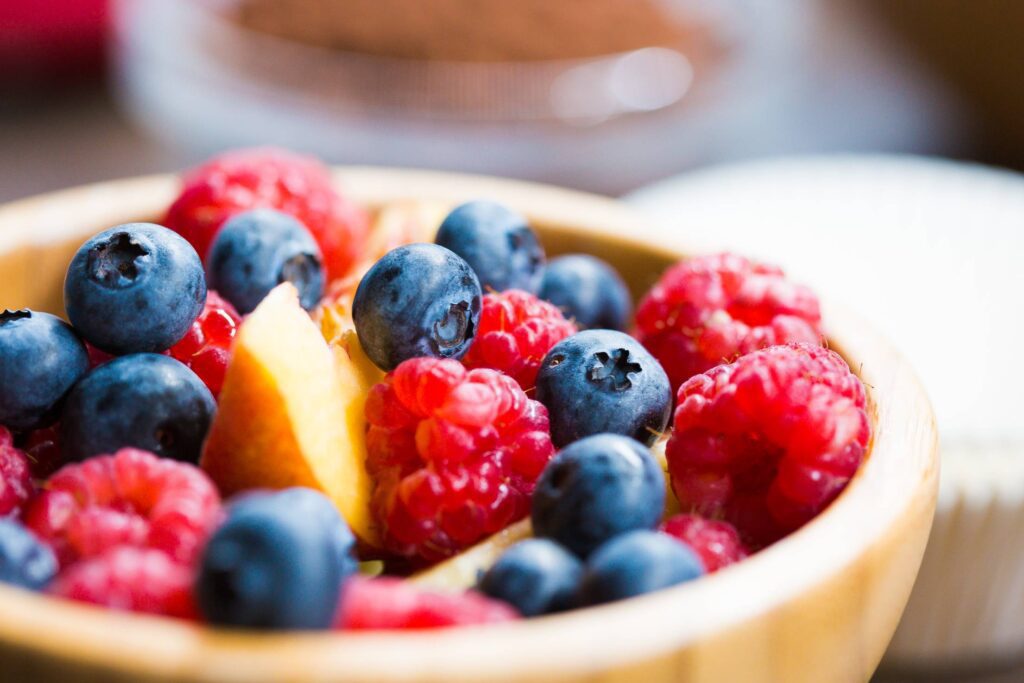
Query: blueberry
[[636, 563], [41, 358], [277, 562], [142, 400], [497, 243], [134, 288], [256, 251], [596, 489], [418, 300], [588, 290], [24, 560], [536, 576], [603, 381]]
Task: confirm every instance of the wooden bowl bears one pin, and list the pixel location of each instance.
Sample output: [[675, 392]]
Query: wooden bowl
[[820, 605]]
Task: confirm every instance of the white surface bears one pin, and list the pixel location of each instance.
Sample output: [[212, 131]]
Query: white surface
[[931, 251]]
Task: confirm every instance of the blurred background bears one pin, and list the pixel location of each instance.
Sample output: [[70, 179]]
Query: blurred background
[[774, 111], [600, 94]]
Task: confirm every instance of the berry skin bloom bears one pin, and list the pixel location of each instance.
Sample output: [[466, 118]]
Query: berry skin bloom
[[713, 309], [15, 476], [268, 178], [131, 498], [132, 580], [454, 454], [516, 331], [767, 442], [389, 603], [206, 347], [717, 543]]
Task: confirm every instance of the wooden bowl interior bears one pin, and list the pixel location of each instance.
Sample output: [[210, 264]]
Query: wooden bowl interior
[[819, 605]]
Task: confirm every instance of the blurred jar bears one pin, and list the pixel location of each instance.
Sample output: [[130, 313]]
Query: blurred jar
[[600, 94]]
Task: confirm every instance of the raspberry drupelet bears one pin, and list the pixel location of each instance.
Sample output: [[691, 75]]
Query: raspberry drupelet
[[713, 309], [131, 498], [768, 441], [454, 454], [388, 603], [516, 331], [716, 542], [15, 475], [269, 178]]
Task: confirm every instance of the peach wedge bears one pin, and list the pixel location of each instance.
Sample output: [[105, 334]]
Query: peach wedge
[[291, 413]]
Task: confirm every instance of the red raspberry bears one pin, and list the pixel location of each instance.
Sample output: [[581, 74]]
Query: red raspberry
[[206, 348], [130, 579], [131, 498], [713, 309], [454, 453], [716, 542], [276, 179], [516, 331], [388, 603], [15, 476], [768, 441]]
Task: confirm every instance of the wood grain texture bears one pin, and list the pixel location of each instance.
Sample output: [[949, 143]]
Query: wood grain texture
[[819, 606]]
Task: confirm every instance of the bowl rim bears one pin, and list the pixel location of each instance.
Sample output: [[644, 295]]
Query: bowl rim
[[898, 479]]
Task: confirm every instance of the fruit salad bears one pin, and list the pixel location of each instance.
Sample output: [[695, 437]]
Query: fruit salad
[[277, 410]]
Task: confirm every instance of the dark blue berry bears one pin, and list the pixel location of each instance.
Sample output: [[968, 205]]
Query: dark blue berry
[[603, 381], [24, 560], [41, 358], [134, 288], [143, 400], [256, 251], [536, 576], [418, 300], [497, 243], [587, 290], [636, 563], [277, 562], [596, 489]]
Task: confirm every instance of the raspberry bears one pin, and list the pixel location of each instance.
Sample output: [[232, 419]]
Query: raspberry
[[131, 498], [713, 309], [454, 453], [271, 179], [15, 475], [388, 603], [516, 331], [130, 579], [206, 348], [717, 543], [768, 441]]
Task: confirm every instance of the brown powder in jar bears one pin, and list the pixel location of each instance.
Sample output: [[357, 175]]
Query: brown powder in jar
[[471, 30]]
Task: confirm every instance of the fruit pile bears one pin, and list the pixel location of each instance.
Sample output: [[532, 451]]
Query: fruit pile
[[254, 412]]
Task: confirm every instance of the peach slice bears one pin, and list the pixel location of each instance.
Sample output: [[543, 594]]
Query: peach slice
[[291, 412]]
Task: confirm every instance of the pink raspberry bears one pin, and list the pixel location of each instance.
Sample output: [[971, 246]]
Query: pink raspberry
[[131, 498], [516, 331], [130, 579], [713, 309], [388, 603], [454, 454], [15, 476], [269, 178], [717, 543], [768, 441]]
